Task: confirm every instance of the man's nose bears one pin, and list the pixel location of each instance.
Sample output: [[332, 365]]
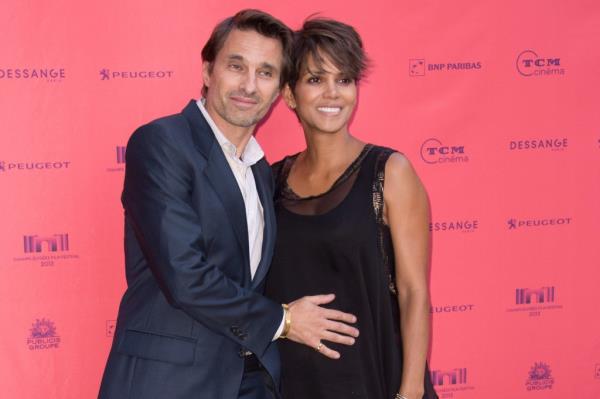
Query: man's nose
[[248, 83]]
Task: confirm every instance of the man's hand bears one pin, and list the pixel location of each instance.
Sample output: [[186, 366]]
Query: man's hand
[[312, 324]]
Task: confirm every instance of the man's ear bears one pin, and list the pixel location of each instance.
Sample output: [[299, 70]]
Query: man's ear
[[206, 67], [288, 96]]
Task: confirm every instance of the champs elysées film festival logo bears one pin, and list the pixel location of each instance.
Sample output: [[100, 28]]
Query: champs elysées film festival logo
[[517, 224], [535, 301], [43, 335], [119, 160], [51, 75], [530, 64], [47, 250], [107, 74], [29, 166], [434, 152], [539, 377], [419, 67], [539, 144], [448, 382]]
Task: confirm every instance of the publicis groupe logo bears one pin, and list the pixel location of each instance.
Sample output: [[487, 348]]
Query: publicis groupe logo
[[433, 152], [539, 377], [43, 335], [450, 381], [530, 64], [119, 160], [462, 308], [111, 325], [107, 74], [419, 67], [459, 225], [33, 166], [540, 144], [47, 74], [515, 224], [46, 249], [535, 301]]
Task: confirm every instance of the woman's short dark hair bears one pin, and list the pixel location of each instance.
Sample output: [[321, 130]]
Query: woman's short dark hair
[[335, 40], [245, 20]]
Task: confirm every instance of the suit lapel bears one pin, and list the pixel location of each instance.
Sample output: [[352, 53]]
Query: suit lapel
[[220, 177], [266, 199]]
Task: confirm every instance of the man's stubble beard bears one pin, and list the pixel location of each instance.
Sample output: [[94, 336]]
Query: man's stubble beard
[[229, 115]]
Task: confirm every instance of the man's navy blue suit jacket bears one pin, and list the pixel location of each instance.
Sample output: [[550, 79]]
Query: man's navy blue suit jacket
[[191, 308]]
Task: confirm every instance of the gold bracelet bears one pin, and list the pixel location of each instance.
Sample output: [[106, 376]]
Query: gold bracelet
[[288, 321]]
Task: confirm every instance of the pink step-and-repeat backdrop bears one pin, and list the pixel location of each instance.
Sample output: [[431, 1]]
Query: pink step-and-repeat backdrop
[[495, 103]]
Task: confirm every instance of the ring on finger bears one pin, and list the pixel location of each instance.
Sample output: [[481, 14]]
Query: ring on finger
[[318, 348]]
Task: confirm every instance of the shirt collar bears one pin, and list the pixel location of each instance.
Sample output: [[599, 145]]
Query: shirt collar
[[253, 151]]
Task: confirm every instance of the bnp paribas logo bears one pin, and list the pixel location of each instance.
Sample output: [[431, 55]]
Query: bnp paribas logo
[[43, 335], [46, 250], [419, 67], [539, 377], [447, 382], [119, 159], [535, 301]]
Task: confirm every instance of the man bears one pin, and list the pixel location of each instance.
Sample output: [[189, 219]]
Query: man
[[199, 236]]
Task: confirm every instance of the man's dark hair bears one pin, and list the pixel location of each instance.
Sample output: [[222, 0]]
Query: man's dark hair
[[337, 41], [245, 20]]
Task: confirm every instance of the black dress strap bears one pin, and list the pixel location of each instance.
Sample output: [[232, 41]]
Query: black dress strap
[[383, 230]]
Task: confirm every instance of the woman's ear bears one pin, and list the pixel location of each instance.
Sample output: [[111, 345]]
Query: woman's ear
[[288, 97]]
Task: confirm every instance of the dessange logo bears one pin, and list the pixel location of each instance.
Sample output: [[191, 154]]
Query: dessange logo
[[48, 74]]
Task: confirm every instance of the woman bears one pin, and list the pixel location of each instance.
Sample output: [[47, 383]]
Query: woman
[[340, 232]]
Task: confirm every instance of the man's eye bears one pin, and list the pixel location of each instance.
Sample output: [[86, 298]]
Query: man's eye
[[267, 74], [235, 67]]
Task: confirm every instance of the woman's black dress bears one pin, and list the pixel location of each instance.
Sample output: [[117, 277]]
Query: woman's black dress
[[337, 243]]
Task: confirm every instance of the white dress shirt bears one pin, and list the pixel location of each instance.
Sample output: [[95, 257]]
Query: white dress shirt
[[242, 170]]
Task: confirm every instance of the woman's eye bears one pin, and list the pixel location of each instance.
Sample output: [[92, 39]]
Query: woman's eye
[[313, 79], [346, 81]]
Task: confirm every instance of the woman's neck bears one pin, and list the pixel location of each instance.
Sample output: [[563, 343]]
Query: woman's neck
[[330, 150]]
